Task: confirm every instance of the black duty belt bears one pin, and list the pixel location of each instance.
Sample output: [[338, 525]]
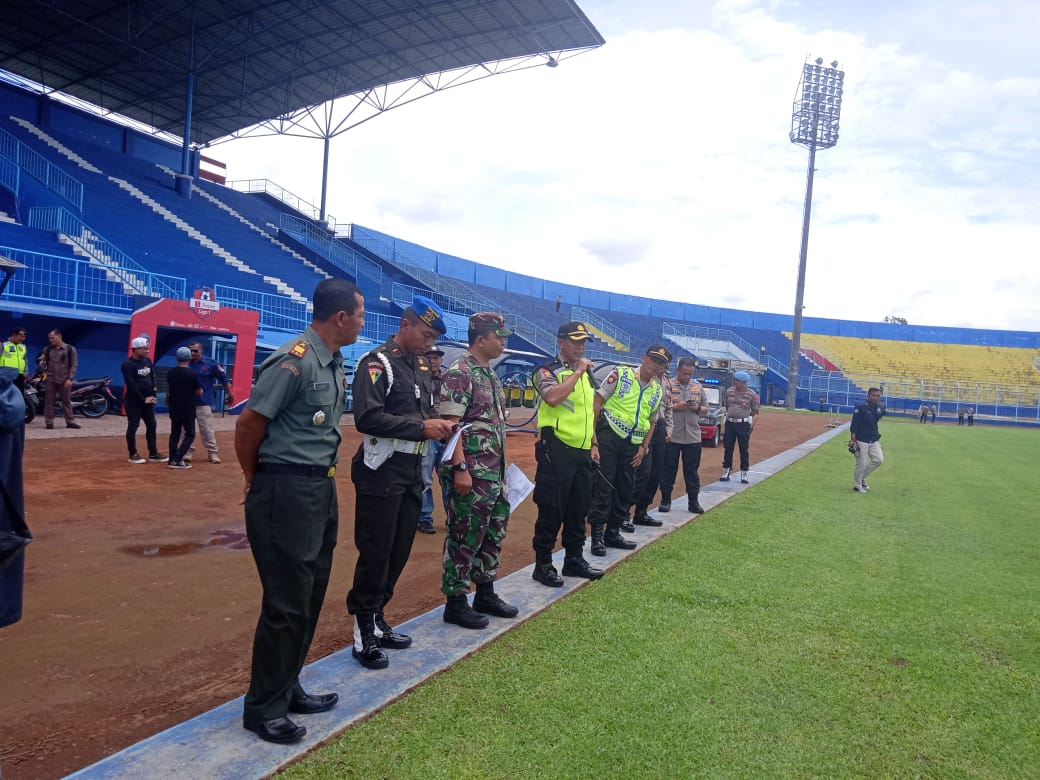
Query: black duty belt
[[296, 470]]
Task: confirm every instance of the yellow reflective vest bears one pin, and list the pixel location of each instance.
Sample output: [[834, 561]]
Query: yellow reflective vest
[[632, 407], [572, 419], [13, 356]]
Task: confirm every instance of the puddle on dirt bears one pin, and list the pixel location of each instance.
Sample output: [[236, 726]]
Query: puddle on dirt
[[228, 539]]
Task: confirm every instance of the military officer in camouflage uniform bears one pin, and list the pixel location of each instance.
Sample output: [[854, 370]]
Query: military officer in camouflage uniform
[[393, 408], [478, 508], [287, 442]]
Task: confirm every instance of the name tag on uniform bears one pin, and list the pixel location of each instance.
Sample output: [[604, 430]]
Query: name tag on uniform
[[321, 386]]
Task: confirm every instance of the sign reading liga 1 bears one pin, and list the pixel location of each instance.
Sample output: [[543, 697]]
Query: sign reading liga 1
[[204, 303]]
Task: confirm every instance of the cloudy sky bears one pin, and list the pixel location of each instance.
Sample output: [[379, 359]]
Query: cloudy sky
[[660, 164]]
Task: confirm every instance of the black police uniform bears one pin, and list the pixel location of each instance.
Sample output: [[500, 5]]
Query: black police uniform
[[388, 498]]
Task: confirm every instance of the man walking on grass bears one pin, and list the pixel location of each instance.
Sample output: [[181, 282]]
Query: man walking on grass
[[865, 440]]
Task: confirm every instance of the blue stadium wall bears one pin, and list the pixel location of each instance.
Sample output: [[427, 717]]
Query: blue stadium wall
[[469, 271]]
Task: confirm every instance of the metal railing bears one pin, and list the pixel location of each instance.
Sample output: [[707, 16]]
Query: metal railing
[[107, 255], [63, 281], [42, 169], [323, 242], [278, 312], [466, 299], [701, 332], [10, 174], [294, 202], [590, 317], [906, 394]]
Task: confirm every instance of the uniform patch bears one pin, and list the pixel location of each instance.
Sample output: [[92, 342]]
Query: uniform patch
[[547, 373], [612, 378], [290, 366], [299, 350], [423, 367], [374, 373]]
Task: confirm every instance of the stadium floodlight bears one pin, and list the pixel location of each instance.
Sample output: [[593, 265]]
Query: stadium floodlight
[[814, 125]]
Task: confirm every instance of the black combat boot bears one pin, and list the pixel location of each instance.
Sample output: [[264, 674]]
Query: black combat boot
[[576, 566], [613, 538], [642, 518], [366, 644], [459, 612], [388, 637], [490, 603], [694, 505], [545, 573], [598, 547], [666, 503], [628, 526]]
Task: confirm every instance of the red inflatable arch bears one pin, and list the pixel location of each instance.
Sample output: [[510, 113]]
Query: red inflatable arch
[[203, 314]]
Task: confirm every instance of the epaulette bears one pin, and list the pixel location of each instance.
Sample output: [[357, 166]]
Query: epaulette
[[552, 365], [299, 349]]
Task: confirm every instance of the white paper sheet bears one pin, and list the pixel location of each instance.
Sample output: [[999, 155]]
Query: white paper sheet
[[518, 486], [449, 448]]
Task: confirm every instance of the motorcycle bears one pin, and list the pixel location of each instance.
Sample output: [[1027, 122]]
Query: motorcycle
[[92, 397]]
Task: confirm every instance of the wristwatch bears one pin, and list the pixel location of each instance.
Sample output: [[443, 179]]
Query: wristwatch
[[460, 466]]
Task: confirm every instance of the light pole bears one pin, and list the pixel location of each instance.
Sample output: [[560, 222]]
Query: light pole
[[814, 125]]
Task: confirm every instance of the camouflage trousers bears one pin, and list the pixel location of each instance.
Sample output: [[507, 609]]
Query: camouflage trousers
[[476, 527]]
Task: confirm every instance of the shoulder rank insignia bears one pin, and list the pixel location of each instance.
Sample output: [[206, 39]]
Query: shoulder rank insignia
[[299, 349]]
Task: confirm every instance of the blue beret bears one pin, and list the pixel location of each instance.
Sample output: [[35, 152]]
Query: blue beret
[[428, 313], [742, 376]]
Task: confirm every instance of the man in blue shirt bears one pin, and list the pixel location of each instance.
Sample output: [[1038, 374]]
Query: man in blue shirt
[[865, 440], [210, 373]]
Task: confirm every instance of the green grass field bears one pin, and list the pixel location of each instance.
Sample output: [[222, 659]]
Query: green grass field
[[798, 630]]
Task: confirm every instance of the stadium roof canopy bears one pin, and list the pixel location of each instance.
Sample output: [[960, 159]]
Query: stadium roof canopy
[[253, 61]]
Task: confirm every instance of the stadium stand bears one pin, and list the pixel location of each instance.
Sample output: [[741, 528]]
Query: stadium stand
[[982, 368]]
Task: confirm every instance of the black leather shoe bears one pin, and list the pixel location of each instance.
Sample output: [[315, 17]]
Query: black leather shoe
[[628, 527], [279, 730], [647, 520], [614, 539], [74, 425], [309, 705], [579, 567], [545, 573], [598, 548], [492, 604], [459, 612], [696, 508], [371, 655], [665, 505], [388, 637]]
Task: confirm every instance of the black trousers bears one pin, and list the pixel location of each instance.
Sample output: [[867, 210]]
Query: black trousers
[[291, 523], [691, 463], [741, 434], [386, 516], [648, 475], [613, 486], [178, 447], [563, 494], [136, 411]]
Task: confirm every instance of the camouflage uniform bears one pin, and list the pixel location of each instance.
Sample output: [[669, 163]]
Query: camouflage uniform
[[476, 522]]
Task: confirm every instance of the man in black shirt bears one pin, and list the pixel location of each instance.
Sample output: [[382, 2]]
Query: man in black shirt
[[139, 396], [865, 440], [182, 389]]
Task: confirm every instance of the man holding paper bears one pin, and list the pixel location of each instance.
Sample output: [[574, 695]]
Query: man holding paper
[[474, 471]]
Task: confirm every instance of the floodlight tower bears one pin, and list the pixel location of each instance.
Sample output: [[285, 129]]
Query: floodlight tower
[[814, 125]]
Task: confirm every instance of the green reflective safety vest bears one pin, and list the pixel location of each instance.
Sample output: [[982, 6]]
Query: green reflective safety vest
[[630, 410], [13, 356], [571, 419]]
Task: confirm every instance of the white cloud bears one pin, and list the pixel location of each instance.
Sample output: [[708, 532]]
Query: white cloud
[[667, 150]]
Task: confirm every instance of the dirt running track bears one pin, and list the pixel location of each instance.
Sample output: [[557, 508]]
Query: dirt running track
[[142, 597]]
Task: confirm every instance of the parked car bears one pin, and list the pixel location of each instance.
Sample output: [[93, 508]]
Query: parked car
[[712, 423]]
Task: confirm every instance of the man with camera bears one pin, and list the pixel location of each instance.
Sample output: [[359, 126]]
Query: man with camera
[[865, 440]]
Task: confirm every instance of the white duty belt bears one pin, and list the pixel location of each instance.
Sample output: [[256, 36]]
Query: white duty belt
[[378, 450]]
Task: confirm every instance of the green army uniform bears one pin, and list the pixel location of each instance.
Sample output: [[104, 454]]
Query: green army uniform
[[292, 516], [477, 521]]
